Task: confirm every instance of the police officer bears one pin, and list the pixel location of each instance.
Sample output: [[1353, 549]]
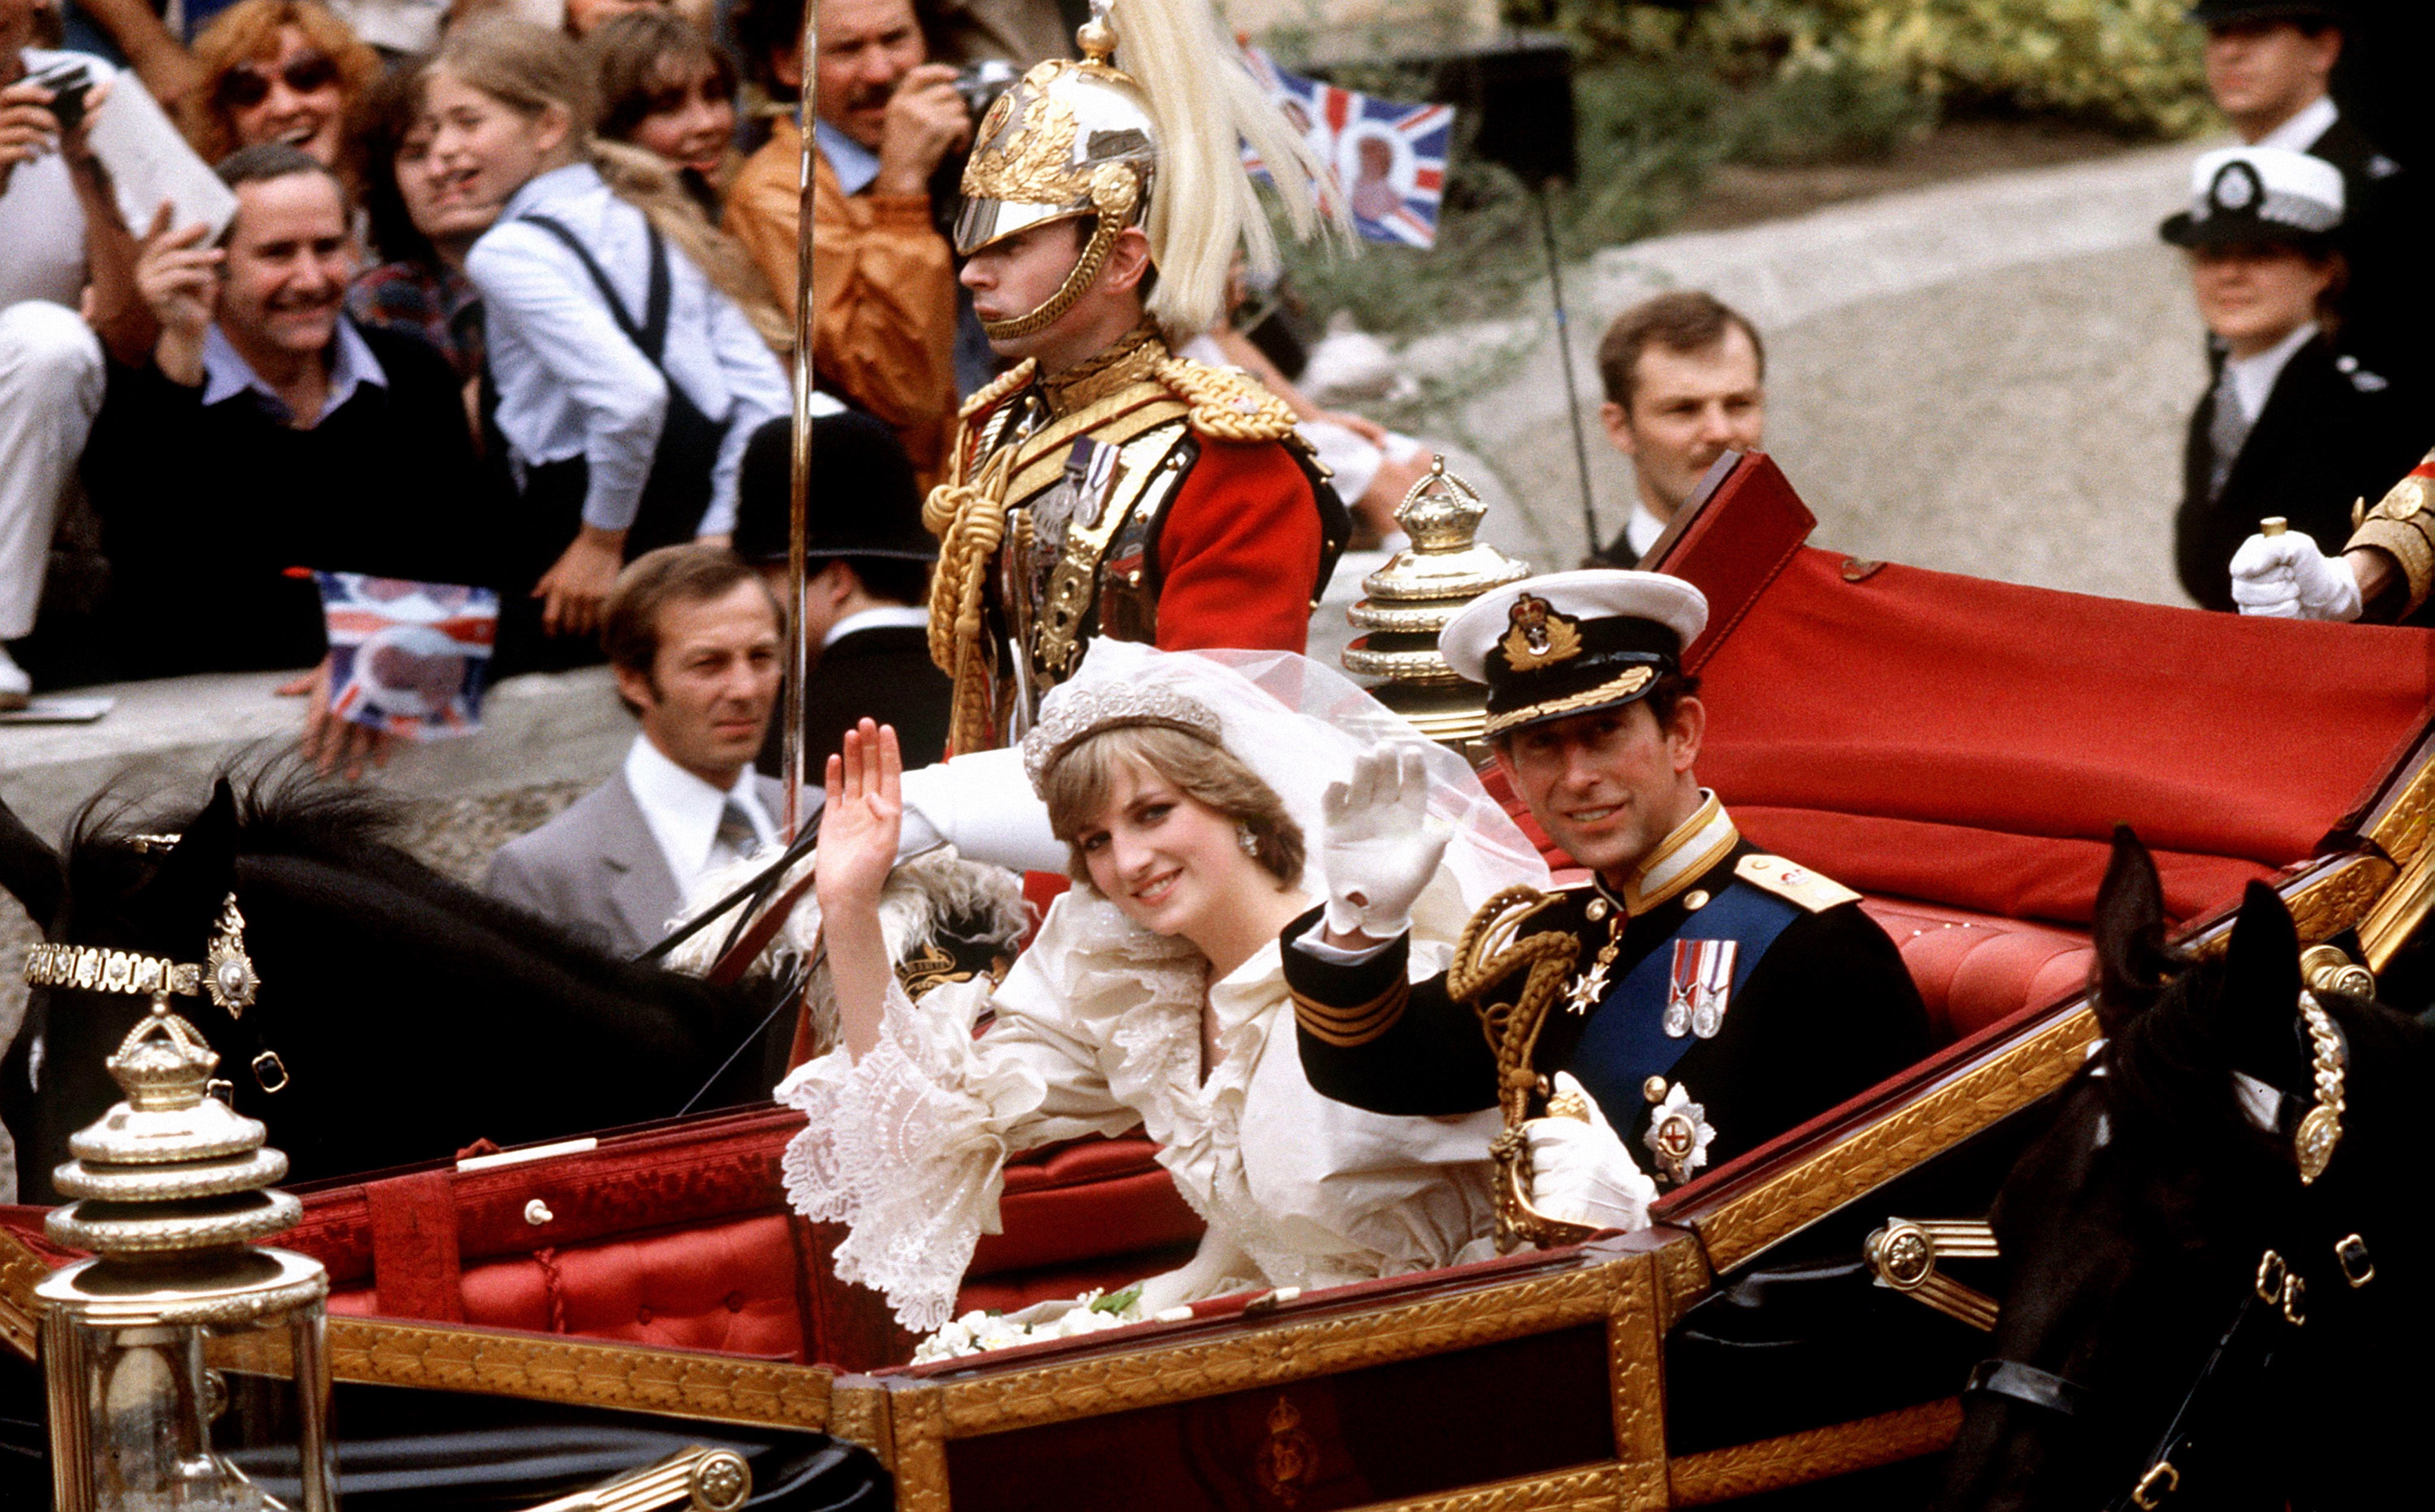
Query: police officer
[[2294, 424], [1712, 996], [2267, 65]]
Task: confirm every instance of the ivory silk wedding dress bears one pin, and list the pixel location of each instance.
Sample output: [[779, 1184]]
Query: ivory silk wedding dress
[[1097, 1028]]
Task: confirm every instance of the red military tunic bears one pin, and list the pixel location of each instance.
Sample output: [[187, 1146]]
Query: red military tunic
[[1149, 498]]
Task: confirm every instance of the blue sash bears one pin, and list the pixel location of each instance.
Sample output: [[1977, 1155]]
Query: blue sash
[[1625, 1043]]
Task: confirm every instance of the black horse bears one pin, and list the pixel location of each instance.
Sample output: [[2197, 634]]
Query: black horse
[[411, 1016], [2176, 1294]]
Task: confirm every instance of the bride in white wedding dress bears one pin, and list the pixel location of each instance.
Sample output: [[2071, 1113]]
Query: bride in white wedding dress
[[1187, 787]]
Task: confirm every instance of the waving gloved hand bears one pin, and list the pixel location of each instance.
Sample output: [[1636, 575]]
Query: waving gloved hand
[[2286, 576], [1380, 848], [1581, 1172]]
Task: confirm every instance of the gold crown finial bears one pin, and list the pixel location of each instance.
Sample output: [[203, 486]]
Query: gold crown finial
[[162, 1065]]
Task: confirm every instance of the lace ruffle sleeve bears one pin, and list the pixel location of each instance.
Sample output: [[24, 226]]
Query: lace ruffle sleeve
[[909, 1145]]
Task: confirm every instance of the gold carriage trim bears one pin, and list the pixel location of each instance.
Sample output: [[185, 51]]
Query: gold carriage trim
[[1631, 682], [1350, 1027]]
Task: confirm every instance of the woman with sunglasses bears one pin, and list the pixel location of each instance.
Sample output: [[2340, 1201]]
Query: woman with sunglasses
[[276, 71]]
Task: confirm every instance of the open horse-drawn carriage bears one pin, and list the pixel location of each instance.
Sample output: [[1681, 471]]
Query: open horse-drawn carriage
[[514, 1323]]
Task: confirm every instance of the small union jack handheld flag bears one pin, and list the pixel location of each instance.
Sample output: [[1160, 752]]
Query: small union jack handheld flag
[[1389, 158]]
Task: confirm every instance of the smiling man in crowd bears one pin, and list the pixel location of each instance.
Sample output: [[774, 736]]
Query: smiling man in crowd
[[1714, 995], [1685, 380], [268, 433], [692, 635]]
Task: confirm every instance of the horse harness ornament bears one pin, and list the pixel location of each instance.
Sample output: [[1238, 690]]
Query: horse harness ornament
[[2275, 1299], [226, 976]]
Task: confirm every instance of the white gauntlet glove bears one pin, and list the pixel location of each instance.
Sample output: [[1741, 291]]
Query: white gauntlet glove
[[2286, 576], [1581, 1172], [1379, 849]]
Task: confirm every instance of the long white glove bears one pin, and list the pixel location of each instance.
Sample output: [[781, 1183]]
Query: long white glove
[[1380, 850], [1581, 1172], [983, 805], [2286, 576]]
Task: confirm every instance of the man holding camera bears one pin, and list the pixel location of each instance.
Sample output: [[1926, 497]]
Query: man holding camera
[[884, 286]]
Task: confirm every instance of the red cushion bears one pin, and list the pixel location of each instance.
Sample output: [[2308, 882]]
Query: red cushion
[[730, 1287], [1974, 968], [1084, 1201]]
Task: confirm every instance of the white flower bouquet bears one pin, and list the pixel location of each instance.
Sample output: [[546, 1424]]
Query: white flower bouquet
[[977, 1332]]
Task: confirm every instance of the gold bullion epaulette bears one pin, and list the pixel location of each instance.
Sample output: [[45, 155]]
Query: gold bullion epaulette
[[1227, 406], [1793, 883]]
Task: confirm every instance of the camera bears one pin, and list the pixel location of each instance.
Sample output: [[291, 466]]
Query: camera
[[983, 82], [69, 84]]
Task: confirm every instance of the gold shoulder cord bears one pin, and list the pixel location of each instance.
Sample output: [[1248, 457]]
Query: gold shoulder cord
[[1491, 950], [2402, 525], [969, 519]]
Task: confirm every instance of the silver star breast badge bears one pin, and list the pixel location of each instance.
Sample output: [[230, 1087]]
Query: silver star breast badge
[[1587, 991]]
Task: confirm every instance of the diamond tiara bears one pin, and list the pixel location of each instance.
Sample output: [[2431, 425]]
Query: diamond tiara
[[1075, 713]]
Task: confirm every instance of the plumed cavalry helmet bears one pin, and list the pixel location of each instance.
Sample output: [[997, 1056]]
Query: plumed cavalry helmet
[[1151, 145]]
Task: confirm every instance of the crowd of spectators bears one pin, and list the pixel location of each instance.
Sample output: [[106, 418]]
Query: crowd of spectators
[[510, 286]]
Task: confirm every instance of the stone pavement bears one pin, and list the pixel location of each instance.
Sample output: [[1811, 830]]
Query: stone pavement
[[1989, 376]]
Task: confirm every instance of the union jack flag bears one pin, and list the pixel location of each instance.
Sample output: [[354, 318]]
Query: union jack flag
[[1388, 158]]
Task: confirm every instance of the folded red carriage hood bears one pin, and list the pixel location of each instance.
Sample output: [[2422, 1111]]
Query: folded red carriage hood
[[1973, 742]]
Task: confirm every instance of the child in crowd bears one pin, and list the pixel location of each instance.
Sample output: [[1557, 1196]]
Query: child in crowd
[[628, 385], [284, 71], [663, 87], [419, 286]]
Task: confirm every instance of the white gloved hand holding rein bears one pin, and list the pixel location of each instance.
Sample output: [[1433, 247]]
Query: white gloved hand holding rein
[[2286, 576], [1379, 849], [1579, 1170]]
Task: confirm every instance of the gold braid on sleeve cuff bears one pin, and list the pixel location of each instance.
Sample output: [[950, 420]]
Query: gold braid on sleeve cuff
[[1348, 1028], [2402, 525]]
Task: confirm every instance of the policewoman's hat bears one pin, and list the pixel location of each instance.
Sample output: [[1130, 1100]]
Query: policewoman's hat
[[1568, 643], [2251, 196]]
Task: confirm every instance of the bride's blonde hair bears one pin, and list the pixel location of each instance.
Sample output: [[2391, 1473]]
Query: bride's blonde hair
[[1079, 788], [529, 69]]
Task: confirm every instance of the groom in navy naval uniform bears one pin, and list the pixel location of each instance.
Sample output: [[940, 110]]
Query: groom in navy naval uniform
[[1717, 996]]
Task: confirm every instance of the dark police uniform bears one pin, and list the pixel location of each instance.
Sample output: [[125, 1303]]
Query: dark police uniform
[[1717, 998], [1815, 1006], [2333, 432]]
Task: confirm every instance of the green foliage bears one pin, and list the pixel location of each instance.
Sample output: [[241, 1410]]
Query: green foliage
[[2132, 64]]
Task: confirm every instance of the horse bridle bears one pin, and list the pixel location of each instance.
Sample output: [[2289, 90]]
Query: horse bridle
[[2275, 1300], [225, 976]]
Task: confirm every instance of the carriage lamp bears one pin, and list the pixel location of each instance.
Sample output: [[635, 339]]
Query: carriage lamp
[[181, 1354]]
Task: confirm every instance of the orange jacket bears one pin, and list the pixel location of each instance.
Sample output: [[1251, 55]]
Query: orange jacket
[[882, 285]]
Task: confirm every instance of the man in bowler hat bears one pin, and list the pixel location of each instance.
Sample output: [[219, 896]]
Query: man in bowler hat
[[866, 581]]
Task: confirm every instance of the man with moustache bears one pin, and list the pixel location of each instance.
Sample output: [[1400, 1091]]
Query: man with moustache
[[1685, 379], [1712, 996], [1103, 486], [268, 433], [882, 285]]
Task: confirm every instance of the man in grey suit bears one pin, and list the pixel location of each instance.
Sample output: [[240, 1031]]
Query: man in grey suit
[[693, 636]]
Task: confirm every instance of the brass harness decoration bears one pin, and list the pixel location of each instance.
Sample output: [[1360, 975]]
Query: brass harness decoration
[[1903, 1253], [2313, 1142], [226, 976]]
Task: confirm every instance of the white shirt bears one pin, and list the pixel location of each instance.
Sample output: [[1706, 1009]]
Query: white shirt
[[2300, 133], [2253, 378], [569, 382], [42, 224], [227, 374], [1641, 532], [683, 811], [887, 616]]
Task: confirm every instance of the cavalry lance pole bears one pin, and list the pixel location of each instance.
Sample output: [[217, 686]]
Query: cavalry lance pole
[[800, 470]]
